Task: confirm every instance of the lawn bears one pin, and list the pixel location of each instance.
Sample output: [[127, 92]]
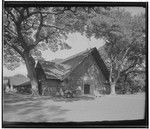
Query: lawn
[[46, 109]]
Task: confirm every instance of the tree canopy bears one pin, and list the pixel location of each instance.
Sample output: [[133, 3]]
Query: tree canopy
[[125, 40], [27, 30], [30, 30], [33, 29]]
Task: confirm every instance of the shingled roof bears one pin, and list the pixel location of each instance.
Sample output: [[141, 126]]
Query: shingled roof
[[53, 70], [60, 71]]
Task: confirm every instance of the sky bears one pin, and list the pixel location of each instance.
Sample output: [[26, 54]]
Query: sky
[[135, 10], [76, 41]]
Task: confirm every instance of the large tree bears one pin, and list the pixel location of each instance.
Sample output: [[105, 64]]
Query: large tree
[[31, 29], [125, 42], [28, 30]]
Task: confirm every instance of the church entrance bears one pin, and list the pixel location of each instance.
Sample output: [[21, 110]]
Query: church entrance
[[86, 89]]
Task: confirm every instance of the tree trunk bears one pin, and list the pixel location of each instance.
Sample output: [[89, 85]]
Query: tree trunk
[[30, 64], [113, 85]]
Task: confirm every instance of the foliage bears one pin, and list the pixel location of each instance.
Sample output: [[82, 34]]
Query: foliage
[[131, 85], [125, 41], [23, 90], [33, 29], [28, 31]]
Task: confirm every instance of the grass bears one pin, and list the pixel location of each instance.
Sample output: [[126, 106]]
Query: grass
[[46, 109]]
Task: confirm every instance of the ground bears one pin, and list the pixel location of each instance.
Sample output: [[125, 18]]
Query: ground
[[45, 109]]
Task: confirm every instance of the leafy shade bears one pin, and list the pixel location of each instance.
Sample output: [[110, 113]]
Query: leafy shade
[[124, 35], [33, 29]]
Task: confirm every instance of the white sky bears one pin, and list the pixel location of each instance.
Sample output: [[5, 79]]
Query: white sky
[[135, 10], [76, 41]]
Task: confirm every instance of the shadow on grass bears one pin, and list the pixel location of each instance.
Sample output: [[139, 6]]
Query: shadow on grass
[[34, 111], [39, 109], [14, 107], [14, 99], [86, 98]]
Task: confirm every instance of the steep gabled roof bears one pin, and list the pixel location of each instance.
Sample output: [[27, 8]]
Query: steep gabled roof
[[53, 70], [76, 58], [60, 71], [100, 63], [24, 84]]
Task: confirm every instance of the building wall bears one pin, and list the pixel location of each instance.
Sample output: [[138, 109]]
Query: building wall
[[87, 73], [50, 86]]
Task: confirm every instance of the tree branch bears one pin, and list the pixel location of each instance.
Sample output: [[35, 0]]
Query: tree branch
[[128, 46], [29, 26], [110, 76], [12, 16], [39, 27], [37, 35], [9, 43], [126, 52], [52, 26], [118, 75], [130, 67], [27, 10], [10, 31], [39, 40], [20, 36], [48, 13]]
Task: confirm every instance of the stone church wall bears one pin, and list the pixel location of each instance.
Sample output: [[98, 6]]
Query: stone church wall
[[87, 73]]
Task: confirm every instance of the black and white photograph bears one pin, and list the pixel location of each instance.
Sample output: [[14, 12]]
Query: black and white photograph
[[74, 63]]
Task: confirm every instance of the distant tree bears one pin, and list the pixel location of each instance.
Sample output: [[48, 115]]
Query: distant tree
[[125, 41]]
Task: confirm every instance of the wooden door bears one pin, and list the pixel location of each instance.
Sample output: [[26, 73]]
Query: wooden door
[[86, 89]]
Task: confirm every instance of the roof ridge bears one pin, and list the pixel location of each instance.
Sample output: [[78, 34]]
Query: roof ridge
[[75, 55], [66, 71], [79, 63]]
